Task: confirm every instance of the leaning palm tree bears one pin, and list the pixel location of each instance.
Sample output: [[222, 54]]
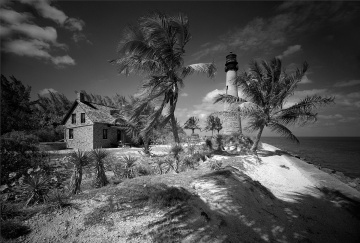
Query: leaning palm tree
[[79, 159], [155, 48], [192, 123], [267, 89]]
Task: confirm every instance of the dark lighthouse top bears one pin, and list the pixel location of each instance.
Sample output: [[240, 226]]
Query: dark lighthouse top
[[231, 63]]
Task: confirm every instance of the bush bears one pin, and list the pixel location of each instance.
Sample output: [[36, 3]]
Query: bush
[[215, 165], [20, 153], [36, 187], [126, 168], [208, 143], [219, 141]]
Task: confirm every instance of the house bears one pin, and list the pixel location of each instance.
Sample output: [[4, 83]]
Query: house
[[89, 125]]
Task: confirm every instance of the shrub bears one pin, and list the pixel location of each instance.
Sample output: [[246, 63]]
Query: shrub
[[79, 160], [208, 143], [99, 157], [18, 154], [191, 148], [59, 199], [215, 165], [126, 168], [175, 151], [219, 141], [36, 187], [189, 162]]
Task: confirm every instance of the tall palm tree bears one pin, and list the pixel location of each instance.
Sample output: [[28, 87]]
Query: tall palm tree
[[267, 89], [155, 48], [192, 123]]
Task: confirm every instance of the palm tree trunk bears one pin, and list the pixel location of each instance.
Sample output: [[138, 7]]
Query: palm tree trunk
[[192, 131], [257, 140], [76, 180], [146, 146], [100, 179], [174, 128]]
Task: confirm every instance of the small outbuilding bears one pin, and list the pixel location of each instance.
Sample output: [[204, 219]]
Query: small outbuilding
[[89, 125]]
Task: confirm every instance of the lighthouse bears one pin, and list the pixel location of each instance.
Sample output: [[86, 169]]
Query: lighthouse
[[231, 116]]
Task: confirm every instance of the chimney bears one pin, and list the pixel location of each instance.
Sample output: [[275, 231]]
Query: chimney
[[80, 96]]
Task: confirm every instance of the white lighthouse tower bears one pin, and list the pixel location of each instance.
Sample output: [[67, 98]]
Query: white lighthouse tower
[[231, 116]]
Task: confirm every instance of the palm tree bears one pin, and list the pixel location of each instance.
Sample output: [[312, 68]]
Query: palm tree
[[267, 89], [192, 123], [155, 47], [218, 124], [99, 157], [210, 124], [134, 127], [79, 159]]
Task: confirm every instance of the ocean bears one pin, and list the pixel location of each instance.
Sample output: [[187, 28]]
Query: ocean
[[337, 153]]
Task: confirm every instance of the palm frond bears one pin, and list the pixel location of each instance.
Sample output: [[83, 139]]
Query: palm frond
[[225, 98], [283, 131], [207, 68], [309, 103]]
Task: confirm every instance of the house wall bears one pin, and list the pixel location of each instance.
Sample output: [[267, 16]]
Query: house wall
[[99, 142], [83, 132]]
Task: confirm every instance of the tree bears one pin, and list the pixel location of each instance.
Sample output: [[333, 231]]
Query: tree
[[79, 159], [218, 124], [210, 124], [155, 47], [99, 157], [192, 123], [267, 88], [16, 111], [134, 127]]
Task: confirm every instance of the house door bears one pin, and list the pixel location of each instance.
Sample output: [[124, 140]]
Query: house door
[[119, 135]]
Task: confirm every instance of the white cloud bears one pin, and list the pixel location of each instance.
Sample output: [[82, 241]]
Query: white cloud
[[23, 37], [37, 49], [47, 11], [347, 83], [47, 90], [63, 60], [290, 50], [305, 80], [209, 97], [184, 94]]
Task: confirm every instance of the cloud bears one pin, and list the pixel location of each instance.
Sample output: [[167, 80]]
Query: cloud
[[184, 94], [292, 20], [209, 97], [63, 60], [290, 50], [47, 91], [37, 49], [23, 37], [347, 83], [305, 80], [47, 11]]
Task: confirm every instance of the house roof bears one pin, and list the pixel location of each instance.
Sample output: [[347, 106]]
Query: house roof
[[97, 113]]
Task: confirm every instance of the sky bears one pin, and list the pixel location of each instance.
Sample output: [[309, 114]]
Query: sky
[[65, 46]]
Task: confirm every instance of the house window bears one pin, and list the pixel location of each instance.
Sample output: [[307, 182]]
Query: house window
[[104, 133], [71, 133], [82, 117], [73, 118]]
